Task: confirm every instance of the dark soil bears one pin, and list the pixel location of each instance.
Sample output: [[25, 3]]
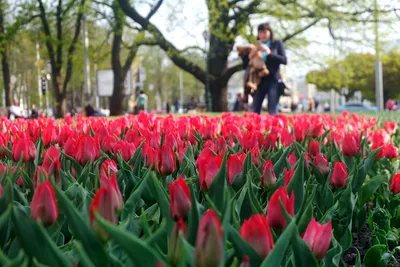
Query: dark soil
[[361, 241]]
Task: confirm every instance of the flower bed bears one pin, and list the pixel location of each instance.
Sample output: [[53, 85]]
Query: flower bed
[[250, 190]]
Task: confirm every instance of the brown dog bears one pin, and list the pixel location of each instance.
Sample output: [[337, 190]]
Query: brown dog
[[256, 68]]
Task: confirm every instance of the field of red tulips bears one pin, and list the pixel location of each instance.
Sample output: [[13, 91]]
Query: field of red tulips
[[304, 190]]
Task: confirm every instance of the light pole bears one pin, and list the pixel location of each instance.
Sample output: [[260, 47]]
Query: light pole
[[86, 57], [207, 94]]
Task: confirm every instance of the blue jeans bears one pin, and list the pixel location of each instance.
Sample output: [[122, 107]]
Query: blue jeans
[[268, 86]]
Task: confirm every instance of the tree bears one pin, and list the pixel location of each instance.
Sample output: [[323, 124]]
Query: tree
[[119, 66], [228, 19], [8, 30], [61, 47], [356, 73]]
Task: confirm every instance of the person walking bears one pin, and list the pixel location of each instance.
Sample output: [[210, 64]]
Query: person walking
[[141, 102], [273, 53]]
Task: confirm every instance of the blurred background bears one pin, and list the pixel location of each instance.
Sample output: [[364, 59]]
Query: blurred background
[[60, 56]]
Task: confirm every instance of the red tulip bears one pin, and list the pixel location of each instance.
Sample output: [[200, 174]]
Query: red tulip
[[1, 190], [167, 162], [124, 149], [390, 126], [292, 160], [208, 166], [3, 144], [256, 156], [287, 176], [40, 171], [44, 205], [249, 140], [175, 246], [351, 145], [69, 147], [182, 150], [209, 246], [390, 151], [108, 143], [322, 164], [235, 165], [108, 168], [180, 199], [23, 148], [318, 238], [268, 177], [395, 184], [307, 160], [87, 148], [313, 148], [49, 135], [269, 141], [103, 203], [276, 218], [112, 184], [3, 168], [339, 175], [317, 130], [256, 232], [51, 163]]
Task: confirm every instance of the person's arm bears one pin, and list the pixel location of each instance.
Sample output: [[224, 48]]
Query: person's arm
[[280, 57]]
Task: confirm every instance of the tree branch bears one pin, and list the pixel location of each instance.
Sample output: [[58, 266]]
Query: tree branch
[[290, 36], [59, 34], [72, 47], [46, 29], [193, 47], [68, 7], [227, 74], [154, 9], [168, 47]]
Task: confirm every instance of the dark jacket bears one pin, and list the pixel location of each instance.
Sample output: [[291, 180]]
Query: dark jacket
[[274, 60]]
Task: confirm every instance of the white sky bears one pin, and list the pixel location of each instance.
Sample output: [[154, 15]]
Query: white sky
[[183, 21]]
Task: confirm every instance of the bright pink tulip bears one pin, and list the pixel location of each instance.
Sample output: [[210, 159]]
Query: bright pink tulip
[[44, 204], [180, 199], [351, 144], [318, 238], [287, 175], [395, 184], [276, 218], [167, 161], [209, 246], [292, 160], [322, 164], [256, 232], [208, 166], [235, 165], [23, 148], [268, 177], [339, 175]]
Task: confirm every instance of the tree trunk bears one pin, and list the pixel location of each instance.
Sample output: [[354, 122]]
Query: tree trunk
[[117, 98], [4, 58], [6, 76], [60, 95], [219, 97]]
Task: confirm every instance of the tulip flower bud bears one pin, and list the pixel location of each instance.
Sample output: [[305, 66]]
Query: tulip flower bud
[[209, 246], [339, 175], [257, 233], [180, 199], [276, 218], [395, 184], [318, 238], [268, 177], [175, 246], [313, 148], [105, 204], [44, 205], [167, 163], [235, 165], [23, 148], [322, 164], [287, 176], [351, 145], [292, 160]]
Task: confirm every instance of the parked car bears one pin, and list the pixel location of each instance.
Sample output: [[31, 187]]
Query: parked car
[[356, 107]]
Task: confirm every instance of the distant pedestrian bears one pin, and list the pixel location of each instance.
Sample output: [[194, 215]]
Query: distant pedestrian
[[141, 102]]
